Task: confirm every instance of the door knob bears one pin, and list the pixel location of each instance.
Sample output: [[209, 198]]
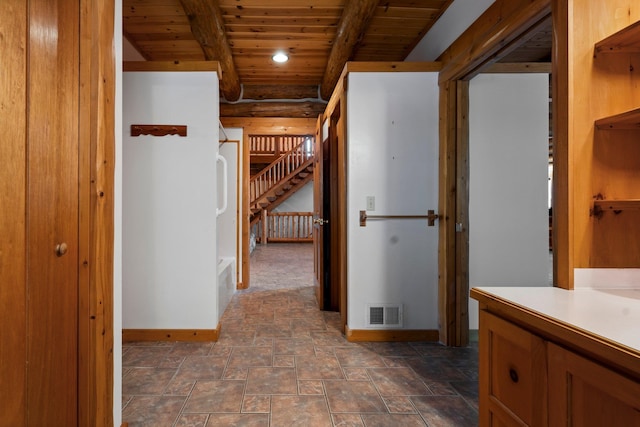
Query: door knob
[[320, 221], [61, 249]]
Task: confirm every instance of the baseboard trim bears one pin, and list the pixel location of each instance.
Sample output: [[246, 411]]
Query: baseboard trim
[[395, 335], [130, 335]]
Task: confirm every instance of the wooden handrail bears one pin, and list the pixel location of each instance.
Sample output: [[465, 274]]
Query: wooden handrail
[[293, 162], [286, 227]]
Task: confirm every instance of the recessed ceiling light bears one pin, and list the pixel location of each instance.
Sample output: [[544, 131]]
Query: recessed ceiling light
[[280, 57]]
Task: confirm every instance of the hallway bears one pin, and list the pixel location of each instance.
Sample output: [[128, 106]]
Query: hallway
[[281, 362]]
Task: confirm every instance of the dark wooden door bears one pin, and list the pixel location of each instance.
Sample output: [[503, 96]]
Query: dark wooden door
[[39, 51], [318, 235]]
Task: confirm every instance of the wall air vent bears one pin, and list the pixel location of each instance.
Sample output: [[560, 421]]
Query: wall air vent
[[384, 316]]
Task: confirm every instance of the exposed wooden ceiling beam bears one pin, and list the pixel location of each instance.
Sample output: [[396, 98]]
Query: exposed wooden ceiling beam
[[252, 91], [353, 23], [273, 109], [208, 28], [271, 125]]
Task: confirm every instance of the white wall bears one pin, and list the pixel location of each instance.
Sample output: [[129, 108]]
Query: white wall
[[300, 201], [392, 150], [117, 222], [508, 213], [169, 202], [455, 20]]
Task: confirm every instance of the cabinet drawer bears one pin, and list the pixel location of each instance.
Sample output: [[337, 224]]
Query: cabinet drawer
[[512, 374]]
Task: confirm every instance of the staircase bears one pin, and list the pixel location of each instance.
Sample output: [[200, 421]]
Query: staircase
[[281, 179]]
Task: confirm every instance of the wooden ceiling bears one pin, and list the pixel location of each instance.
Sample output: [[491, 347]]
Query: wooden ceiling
[[318, 35], [306, 29]]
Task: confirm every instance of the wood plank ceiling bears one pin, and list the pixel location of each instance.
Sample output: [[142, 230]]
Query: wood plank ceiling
[[318, 35]]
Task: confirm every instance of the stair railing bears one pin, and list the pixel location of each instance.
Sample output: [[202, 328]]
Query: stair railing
[[277, 172]]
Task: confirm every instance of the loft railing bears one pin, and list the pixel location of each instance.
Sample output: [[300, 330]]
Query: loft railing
[[291, 163], [285, 227], [275, 144]]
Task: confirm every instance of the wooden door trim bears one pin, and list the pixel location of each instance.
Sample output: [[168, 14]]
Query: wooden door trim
[[341, 208], [492, 36], [96, 222], [318, 251]]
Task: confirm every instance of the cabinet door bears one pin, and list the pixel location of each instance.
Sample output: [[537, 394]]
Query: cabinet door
[[586, 394], [512, 374], [52, 213]]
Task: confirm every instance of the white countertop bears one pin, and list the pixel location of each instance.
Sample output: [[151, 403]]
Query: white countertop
[[613, 314]]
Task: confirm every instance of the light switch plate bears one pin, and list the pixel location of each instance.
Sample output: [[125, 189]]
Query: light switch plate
[[371, 203]]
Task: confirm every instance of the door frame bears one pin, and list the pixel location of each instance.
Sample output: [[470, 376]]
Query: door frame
[[318, 234], [259, 126], [335, 115], [498, 31], [96, 169]]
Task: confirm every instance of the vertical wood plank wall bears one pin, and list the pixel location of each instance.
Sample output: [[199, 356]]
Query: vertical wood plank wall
[[13, 350], [52, 213], [58, 116], [97, 168]]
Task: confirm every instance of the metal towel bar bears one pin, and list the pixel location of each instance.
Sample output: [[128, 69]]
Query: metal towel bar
[[430, 217]]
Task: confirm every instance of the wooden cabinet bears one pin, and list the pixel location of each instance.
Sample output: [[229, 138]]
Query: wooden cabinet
[[527, 379], [616, 162], [587, 394], [596, 91], [512, 374]]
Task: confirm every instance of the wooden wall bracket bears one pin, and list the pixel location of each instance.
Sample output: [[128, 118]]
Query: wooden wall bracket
[[158, 130]]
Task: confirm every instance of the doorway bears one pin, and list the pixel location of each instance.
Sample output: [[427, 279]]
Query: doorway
[[326, 205], [508, 181]]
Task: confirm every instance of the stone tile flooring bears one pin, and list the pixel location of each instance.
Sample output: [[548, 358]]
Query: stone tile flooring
[[281, 362]]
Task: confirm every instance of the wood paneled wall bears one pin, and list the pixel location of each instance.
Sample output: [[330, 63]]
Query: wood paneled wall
[[590, 164]]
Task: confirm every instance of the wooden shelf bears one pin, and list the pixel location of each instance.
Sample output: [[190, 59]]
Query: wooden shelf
[[623, 121], [617, 205], [626, 40]]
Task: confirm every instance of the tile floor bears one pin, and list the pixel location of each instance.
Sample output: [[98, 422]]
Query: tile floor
[[282, 362]]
